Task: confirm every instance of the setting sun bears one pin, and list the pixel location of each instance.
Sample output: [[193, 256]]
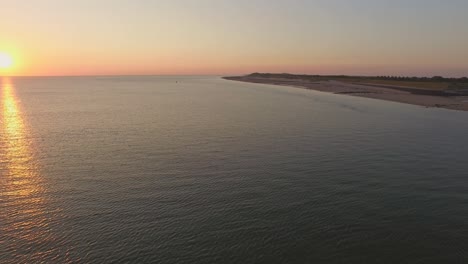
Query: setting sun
[[6, 61]]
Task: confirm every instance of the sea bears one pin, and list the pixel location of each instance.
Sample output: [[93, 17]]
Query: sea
[[198, 169]]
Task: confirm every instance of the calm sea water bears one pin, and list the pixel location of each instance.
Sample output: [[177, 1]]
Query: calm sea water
[[203, 170]]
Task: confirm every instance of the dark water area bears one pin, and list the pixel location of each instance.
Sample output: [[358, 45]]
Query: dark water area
[[204, 170]]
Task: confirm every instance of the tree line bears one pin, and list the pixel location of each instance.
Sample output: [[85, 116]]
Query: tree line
[[422, 79], [390, 78]]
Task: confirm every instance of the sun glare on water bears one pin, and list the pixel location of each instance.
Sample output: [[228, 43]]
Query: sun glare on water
[[6, 61]]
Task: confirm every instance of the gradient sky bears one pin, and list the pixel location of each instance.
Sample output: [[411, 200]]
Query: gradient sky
[[90, 37]]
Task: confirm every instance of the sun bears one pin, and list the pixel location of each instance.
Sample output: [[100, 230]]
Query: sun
[[6, 61]]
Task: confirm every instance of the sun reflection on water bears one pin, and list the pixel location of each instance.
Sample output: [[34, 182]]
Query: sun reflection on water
[[24, 213]]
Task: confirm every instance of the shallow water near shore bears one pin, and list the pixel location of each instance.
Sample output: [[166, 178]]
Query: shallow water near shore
[[205, 170]]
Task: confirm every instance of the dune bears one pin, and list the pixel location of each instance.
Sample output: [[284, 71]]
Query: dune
[[438, 98]]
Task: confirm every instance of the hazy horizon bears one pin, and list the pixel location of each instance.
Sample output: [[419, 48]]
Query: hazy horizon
[[88, 38], [215, 75]]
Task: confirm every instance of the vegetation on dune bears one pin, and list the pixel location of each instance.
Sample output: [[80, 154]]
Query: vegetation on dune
[[433, 83]]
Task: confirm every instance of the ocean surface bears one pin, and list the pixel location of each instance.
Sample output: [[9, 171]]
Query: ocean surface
[[204, 170]]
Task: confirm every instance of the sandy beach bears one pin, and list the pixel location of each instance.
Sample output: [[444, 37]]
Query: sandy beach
[[389, 93]]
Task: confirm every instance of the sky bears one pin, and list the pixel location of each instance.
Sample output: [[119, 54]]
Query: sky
[[219, 37]]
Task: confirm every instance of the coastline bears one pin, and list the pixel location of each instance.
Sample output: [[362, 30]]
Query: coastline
[[381, 92]]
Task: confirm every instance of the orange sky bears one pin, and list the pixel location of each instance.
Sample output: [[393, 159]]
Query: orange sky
[[52, 37]]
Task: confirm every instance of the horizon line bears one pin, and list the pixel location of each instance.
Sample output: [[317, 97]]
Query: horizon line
[[223, 75], [107, 75]]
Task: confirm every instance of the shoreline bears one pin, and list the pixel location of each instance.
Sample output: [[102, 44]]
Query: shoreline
[[381, 92]]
